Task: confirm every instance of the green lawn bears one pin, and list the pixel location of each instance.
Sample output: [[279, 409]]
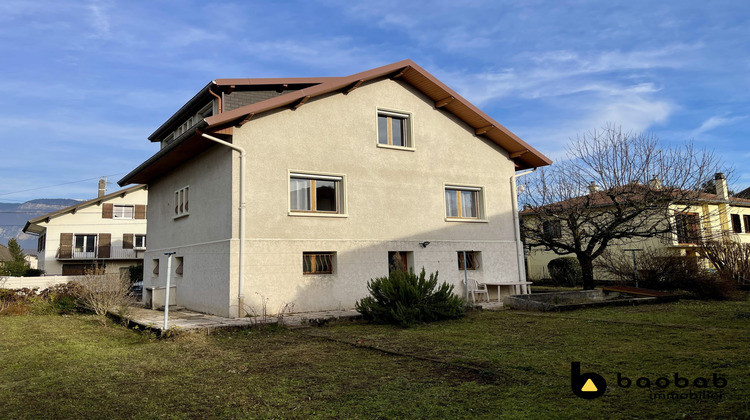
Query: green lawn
[[491, 364]]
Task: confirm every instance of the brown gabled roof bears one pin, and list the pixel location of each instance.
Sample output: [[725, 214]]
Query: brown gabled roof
[[32, 225], [190, 143]]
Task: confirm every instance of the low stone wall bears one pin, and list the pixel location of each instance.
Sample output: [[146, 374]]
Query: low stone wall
[[41, 282], [565, 301]]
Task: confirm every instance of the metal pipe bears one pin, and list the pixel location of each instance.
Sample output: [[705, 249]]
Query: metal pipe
[[219, 105], [466, 280], [166, 293], [517, 226], [241, 263]]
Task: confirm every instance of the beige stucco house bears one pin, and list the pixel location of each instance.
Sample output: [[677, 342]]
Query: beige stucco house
[[712, 217], [300, 190], [108, 231]]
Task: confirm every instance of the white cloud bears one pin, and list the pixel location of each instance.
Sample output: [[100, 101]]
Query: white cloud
[[100, 18], [714, 122]]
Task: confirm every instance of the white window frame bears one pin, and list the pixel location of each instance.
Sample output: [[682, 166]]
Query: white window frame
[[181, 202], [139, 242], [406, 119], [121, 214], [340, 181], [90, 240], [481, 216]]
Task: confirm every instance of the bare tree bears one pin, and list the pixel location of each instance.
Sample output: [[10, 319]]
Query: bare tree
[[102, 292], [614, 187]]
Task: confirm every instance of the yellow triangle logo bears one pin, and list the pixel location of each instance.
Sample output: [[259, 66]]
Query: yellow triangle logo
[[589, 386]]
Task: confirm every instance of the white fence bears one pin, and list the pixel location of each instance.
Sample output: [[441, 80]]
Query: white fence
[[42, 282]]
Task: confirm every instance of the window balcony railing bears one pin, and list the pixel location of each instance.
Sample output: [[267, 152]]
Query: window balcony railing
[[100, 253]]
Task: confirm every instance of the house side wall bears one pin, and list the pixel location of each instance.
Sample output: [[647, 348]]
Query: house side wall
[[88, 220], [394, 199], [203, 238]]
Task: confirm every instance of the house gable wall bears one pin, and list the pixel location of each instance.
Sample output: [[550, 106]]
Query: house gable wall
[[89, 220]]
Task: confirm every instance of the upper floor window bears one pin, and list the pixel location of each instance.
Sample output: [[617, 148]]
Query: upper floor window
[[181, 202], [687, 226], [84, 243], [315, 193], [122, 212], [394, 129], [552, 229], [463, 202], [140, 242]]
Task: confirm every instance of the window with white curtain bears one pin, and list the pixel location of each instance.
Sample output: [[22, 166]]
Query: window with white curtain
[[314, 193], [463, 202]]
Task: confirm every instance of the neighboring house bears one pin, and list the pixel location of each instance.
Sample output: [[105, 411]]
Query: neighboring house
[[713, 216], [32, 260], [108, 231], [329, 181]]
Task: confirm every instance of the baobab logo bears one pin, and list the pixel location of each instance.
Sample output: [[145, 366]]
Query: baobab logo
[[589, 385]]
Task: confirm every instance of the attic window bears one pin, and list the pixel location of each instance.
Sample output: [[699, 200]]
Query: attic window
[[394, 129]]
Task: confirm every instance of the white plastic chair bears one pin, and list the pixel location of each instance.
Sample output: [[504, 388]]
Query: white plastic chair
[[476, 288]]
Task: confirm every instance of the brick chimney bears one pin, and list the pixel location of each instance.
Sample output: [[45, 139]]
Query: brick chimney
[[722, 191], [102, 187]]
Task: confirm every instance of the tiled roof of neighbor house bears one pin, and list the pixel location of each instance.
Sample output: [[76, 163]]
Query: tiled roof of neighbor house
[[5, 253], [191, 143], [33, 227], [743, 194], [601, 199]]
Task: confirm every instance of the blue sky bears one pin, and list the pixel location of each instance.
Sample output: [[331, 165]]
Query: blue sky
[[85, 82]]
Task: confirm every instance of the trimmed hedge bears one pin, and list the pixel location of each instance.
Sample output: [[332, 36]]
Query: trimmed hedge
[[565, 271]]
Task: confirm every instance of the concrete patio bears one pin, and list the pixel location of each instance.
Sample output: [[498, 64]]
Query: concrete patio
[[185, 320]]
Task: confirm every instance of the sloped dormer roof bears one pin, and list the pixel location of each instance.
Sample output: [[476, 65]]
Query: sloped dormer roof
[[191, 143]]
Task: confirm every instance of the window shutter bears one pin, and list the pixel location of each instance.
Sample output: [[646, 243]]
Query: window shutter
[[39, 243], [105, 240], [127, 241], [107, 210], [66, 245], [140, 211]]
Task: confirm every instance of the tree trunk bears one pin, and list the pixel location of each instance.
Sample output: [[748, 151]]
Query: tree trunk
[[587, 271]]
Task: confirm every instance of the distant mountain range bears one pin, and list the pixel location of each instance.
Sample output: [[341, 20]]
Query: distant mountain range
[[13, 217]]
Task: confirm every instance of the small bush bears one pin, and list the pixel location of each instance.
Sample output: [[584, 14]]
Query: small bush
[[64, 298], [101, 292], [565, 271], [403, 298]]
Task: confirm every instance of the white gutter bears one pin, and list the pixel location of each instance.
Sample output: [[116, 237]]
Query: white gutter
[[241, 263], [517, 225]]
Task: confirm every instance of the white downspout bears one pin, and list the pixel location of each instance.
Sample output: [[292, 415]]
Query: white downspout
[[241, 282], [517, 226]]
